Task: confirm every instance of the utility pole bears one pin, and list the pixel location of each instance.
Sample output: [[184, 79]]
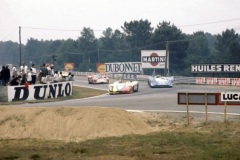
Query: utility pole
[[20, 47], [166, 71], [98, 57], [54, 58], [53, 65]]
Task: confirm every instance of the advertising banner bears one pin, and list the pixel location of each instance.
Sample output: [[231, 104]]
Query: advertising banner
[[215, 68], [40, 91], [100, 67], [218, 81], [123, 67], [230, 96], [153, 58], [68, 66]]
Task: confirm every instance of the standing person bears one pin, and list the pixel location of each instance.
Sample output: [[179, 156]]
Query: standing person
[[23, 68], [23, 80], [70, 77], [29, 76], [49, 69], [43, 72], [52, 70], [56, 77], [60, 76], [6, 75], [14, 71], [34, 73], [1, 75]]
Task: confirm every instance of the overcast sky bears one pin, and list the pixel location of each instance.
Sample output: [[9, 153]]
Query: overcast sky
[[47, 19]]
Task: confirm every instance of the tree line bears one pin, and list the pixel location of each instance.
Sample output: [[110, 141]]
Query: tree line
[[126, 46]]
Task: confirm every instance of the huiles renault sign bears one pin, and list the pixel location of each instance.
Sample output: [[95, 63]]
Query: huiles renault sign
[[215, 68]]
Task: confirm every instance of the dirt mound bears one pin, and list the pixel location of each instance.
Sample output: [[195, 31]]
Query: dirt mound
[[68, 123]]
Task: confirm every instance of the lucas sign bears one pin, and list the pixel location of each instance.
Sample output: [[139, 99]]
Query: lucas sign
[[230, 96], [153, 58]]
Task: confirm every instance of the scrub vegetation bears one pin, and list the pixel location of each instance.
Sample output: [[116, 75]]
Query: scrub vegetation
[[205, 141], [125, 45], [212, 140]]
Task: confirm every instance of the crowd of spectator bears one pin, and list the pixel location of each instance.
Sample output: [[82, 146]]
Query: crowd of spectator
[[31, 76]]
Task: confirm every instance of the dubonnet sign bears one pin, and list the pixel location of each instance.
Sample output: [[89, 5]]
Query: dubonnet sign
[[123, 67]]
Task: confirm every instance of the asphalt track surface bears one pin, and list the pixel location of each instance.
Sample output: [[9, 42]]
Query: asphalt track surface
[[146, 99]]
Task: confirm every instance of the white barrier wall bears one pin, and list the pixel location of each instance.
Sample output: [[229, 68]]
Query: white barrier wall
[[218, 81], [40, 91]]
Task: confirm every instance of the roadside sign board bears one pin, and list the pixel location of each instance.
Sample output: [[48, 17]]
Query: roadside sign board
[[153, 58], [197, 98], [230, 96]]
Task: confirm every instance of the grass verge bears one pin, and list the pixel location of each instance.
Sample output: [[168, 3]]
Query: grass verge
[[206, 141], [213, 141]]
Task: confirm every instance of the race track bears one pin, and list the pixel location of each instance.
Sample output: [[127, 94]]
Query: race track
[[146, 99]]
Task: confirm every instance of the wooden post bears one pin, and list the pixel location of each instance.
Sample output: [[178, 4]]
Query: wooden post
[[187, 108], [166, 70], [20, 47], [225, 111], [206, 108], [98, 56]]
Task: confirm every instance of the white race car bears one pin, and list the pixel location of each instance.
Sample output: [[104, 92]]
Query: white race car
[[160, 81], [123, 87]]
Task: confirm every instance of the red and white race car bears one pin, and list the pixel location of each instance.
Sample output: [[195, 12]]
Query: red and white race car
[[122, 86], [97, 79]]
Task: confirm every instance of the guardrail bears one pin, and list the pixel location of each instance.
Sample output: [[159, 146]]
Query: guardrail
[[180, 79], [177, 79]]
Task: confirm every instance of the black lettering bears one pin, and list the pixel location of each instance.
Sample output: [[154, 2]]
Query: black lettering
[[60, 92], [224, 97], [52, 91], [122, 67], [68, 89], [128, 67], [37, 92], [116, 67], [235, 97], [18, 93], [229, 96]]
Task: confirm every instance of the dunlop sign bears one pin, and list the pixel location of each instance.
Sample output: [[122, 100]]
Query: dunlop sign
[[123, 67], [40, 91], [230, 96]]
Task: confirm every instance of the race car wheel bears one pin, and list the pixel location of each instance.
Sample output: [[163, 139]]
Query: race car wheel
[[89, 81], [149, 83], [131, 89], [136, 88]]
